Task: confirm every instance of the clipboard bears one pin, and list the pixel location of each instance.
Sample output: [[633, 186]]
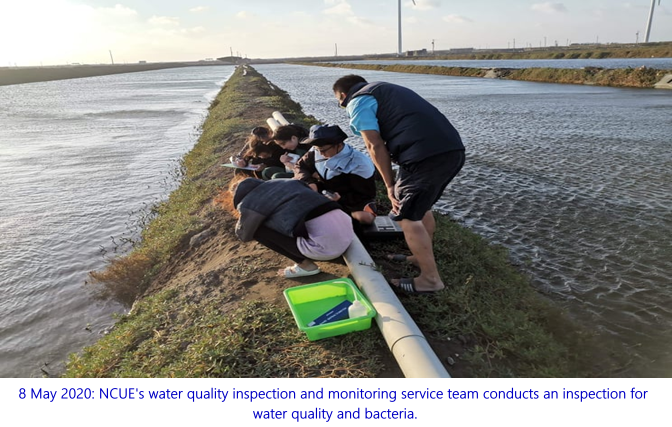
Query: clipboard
[[247, 168]]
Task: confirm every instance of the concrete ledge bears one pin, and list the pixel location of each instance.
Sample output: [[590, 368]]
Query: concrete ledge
[[664, 83]]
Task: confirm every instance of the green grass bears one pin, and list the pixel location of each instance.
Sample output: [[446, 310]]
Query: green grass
[[168, 336]]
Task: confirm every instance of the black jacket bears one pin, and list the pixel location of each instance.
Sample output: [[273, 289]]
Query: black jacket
[[355, 190]]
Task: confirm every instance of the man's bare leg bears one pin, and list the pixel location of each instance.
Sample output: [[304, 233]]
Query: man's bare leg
[[420, 244], [430, 225]]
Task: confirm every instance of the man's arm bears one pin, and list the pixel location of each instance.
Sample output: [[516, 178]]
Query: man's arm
[[304, 170], [381, 159]]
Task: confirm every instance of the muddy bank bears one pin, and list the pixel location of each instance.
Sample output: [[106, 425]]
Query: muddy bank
[[641, 77], [208, 305]]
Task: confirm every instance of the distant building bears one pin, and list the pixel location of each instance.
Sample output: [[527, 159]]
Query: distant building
[[421, 52], [142, 62]]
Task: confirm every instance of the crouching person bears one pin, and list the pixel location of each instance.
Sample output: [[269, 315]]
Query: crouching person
[[337, 170], [289, 218]]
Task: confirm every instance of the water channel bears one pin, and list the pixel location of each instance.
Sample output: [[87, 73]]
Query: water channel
[[80, 161]]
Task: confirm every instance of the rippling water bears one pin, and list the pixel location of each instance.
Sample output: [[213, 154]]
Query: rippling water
[[576, 181], [76, 157], [659, 63]]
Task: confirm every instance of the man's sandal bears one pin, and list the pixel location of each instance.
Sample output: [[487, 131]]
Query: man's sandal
[[407, 285]]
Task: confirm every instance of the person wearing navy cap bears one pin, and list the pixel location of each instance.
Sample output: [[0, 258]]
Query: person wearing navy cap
[[338, 171]]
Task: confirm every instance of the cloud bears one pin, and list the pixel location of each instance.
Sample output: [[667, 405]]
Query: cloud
[[549, 7], [341, 7], [164, 21], [118, 10], [360, 22], [456, 19], [243, 14], [411, 20], [198, 9], [298, 14], [425, 4]]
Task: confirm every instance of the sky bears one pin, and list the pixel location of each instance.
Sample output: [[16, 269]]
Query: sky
[[53, 32]]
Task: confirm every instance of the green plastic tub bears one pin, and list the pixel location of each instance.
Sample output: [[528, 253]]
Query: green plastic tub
[[308, 302]]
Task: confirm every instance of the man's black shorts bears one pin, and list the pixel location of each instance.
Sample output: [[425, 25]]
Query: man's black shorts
[[419, 185]]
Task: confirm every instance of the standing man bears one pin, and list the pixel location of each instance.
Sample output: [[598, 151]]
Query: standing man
[[399, 125]]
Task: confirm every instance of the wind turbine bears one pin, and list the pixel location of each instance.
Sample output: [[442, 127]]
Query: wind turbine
[[648, 24], [399, 53]]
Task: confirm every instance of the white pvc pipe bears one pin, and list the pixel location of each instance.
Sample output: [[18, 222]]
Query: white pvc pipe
[[277, 115], [408, 345], [272, 123]]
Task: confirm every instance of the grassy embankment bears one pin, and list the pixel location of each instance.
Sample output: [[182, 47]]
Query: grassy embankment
[[648, 50], [489, 314], [623, 77], [19, 75]]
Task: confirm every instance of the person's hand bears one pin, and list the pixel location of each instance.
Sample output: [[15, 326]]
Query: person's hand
[[393, 199], [334, 197], [240, 163], [313, 187], [261, 167], [285, 159]]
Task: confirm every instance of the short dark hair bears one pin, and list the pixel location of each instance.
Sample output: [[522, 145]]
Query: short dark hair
[[345, 83], [260, 132], [286, 132]]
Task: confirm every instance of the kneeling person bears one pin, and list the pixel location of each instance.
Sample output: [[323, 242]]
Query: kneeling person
[[334, 167]]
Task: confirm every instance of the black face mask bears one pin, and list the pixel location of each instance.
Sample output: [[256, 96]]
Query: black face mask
[[342, 103]]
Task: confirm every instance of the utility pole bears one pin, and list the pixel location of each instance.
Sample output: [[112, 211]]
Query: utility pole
[[637, 37], [335, 49], [544, 41], [432, 46], [111, 58], [231, 49]]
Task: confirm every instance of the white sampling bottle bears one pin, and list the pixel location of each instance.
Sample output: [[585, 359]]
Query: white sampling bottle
[[357, 309]]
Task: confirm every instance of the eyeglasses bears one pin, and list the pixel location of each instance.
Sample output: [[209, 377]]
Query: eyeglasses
[[324, 148]]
